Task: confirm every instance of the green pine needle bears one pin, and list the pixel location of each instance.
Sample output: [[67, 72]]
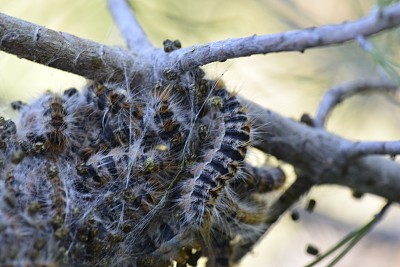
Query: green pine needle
[[351, 240]]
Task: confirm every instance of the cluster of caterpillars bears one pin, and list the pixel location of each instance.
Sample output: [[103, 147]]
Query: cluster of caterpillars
[[117, 176]]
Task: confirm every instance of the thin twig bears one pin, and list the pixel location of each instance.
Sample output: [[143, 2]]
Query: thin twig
[[128, 25], [358, 149], [337, 94], [302, 184], [364, 43], [298, 40]]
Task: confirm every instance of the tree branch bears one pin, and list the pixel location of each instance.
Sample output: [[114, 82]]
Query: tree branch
[[358, 149], [300, 187], [130, 28], [320, 155], [364, 44], [298, 40], [95, 61], [337, 94], [63, 51]]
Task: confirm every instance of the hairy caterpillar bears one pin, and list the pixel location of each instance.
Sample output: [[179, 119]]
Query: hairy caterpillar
[[167, 120], [222, 165], [140, 175], [258, 180], [53, 120]]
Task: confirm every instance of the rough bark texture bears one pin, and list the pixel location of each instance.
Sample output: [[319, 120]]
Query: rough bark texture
[[323, 156], [64, 51]]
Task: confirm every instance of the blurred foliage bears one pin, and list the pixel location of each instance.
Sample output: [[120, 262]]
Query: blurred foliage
[[390, 67], [383, 3]]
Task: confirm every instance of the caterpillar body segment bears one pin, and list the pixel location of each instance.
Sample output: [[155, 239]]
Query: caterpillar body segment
[[59, 196], [55, 121], [108, 167], [258, 180], [222, 165], [55, 113]]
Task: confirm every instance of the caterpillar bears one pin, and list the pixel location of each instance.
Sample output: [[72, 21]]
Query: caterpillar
[[55, 113], [121, 118], [59, 194], [168, 120], [116, 164], [53, 120], [257, 180], [175, 245], [222, 165], [142, 175]]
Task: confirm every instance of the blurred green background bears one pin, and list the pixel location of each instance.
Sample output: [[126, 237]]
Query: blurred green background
[[288, 83]]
